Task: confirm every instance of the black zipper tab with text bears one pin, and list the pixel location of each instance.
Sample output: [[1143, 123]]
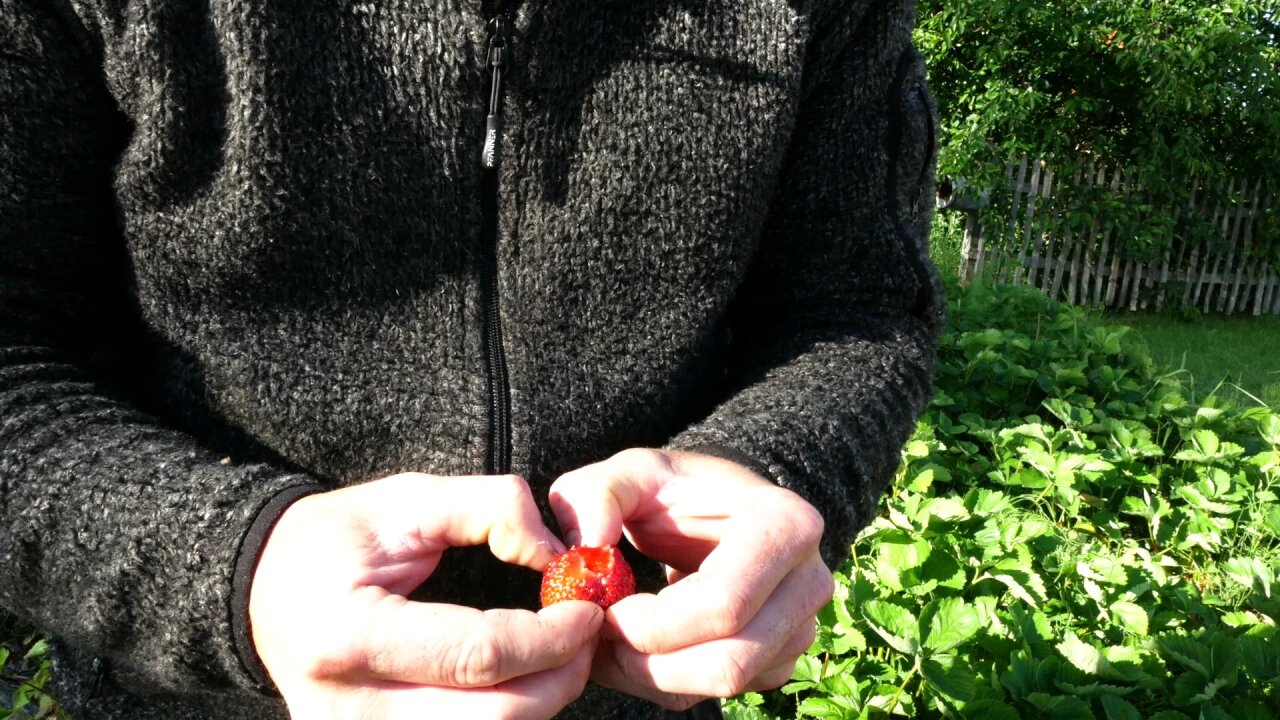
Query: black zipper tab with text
[[496, 59]]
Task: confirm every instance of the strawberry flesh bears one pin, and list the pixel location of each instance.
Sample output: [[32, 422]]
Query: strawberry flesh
[[599, 575]]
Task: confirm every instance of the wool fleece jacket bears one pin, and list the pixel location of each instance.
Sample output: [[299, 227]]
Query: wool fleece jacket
[[248, 251]]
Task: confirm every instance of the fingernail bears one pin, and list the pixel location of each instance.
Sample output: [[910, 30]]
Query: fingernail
[[554, 544], [547, 539], [573, 537]]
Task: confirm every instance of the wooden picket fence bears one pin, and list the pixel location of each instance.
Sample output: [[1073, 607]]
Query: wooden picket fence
[[1087, 263]]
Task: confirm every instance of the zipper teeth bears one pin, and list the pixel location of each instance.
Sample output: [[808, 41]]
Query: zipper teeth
[[502, 389], [498, 460]]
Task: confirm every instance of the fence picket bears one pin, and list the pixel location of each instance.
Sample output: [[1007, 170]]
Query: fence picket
[[1041, 245], [1020, 192]]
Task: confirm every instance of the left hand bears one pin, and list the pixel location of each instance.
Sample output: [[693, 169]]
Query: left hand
[[742, 556]]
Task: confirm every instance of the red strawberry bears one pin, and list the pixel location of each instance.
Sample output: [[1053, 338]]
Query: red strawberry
[[600, 575]]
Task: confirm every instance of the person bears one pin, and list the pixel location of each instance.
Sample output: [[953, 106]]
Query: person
[[317, 318]]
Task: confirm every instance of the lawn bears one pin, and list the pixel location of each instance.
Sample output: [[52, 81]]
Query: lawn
[[1236, 358]]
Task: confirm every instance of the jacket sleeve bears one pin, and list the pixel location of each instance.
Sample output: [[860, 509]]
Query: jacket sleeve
[[834, 332], [118, 535]]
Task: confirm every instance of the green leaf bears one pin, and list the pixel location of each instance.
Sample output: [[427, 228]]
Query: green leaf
[[20, 699], [1206, 441], [738, 712], [990, 710], [1246, 709], [1269, 428], [1130, 616], [1250, 572], [808, 669], [1192, 687], [952, 624], [1198, 500], [1083, 656], [946, 509], [1119, 709], [949, 676], [1186, 652], [1103, 569], [985, 502], [1261, 659], [1018, 583], [822, 708], [897, 556], [38, 650], [943, 568], [916, 449], [1062, 707], [895, 624], [1224, 654], [1209, 711], [848, 640]]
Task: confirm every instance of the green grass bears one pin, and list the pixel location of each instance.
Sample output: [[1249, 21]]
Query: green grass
[[1236, 358]]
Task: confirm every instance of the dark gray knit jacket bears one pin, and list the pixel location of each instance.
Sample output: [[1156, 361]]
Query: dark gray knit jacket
[[245, 254]]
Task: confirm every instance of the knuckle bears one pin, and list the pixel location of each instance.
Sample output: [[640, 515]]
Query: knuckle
[[730, 613], [809, 524], [330, 656], [639, 457], [511, 486], [479, 660], [678, 703], [826, 589], [567, 484], [799, 643], [732, 677], [806, 637], [630, 668], [775, 678]]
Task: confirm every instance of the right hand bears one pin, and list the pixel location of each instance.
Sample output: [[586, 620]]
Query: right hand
[[334, 629]]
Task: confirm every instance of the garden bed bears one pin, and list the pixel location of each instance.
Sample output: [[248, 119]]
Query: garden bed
[[1068, 537]]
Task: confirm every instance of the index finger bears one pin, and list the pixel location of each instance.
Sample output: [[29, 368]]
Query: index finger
[[591, 503], [762, 542], [443, 512]]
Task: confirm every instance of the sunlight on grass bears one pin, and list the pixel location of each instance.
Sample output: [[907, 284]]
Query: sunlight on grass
[[1235, 358]]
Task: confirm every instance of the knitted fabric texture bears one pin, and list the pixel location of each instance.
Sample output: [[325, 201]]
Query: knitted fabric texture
[[241, 261]]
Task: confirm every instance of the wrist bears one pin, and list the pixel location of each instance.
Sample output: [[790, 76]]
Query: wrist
[[251, 546]]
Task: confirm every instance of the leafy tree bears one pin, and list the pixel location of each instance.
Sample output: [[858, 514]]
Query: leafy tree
[[1170, 89]]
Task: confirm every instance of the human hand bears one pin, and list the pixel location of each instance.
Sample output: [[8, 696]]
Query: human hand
[[333, 626], [742, 554]]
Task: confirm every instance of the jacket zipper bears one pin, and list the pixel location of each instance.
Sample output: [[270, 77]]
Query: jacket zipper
[[497, 59]]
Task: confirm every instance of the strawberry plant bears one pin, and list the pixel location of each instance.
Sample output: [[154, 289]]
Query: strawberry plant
[[24, 673], [1067, 538]]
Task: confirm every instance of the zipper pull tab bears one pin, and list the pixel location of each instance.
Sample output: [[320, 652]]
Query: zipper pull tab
[[497, 58]]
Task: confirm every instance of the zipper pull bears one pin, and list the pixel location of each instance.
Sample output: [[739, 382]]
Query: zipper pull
[[497, 58]]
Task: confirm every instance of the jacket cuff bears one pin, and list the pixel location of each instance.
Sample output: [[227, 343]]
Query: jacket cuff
[[734, 455], [242, 580]]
